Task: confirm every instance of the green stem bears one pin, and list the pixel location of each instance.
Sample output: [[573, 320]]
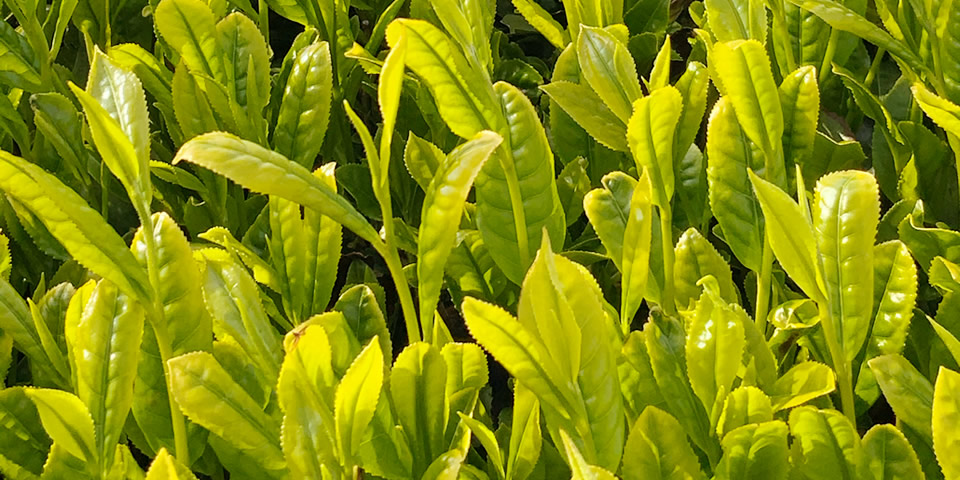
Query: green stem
[[390, 254], [763, 285], [159, 324], [840, 365], [825, 67], [666, 240], [874, 67]]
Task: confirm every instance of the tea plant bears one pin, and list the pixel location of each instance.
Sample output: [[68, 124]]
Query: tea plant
[[471, 239]]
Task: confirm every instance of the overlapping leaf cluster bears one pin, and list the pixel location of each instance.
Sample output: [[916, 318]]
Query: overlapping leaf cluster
[[445, 239]]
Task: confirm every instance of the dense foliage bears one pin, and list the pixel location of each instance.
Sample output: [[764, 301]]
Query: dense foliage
[[444, 239]]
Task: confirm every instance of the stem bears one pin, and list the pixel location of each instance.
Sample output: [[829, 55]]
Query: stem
[[666, 240], [874, 67], [828, 55], [390, 255], [159, 324], [763, 285], [840, 365]]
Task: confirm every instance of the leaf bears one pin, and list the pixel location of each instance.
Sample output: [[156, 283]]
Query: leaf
[[608, 68], [268, 172], [755, 451], [356, 399], [514, 347], [800, 101], [894, 294], [517, 194], [949, 340], [608, 210], [714, 345], [465, 101], [305, 394], [105, 346], [843, 18], [745, 70], [417, 384], [587, 109], [305, 110], [729, 157], [467, 373], [525, 435], [660, 73], [908, 392], [67, 422], [81, 230], [440, 218], [802, 383], [359, 307], [486, 438], [209, 397], [17, 323], [23, 440], [887, 454], [19, 65], [422, 160], [189, 27], [744, 406], [186, 321], [636, 252], [946, 414], [665, 340], [846, 212], [650, 135], [166, 467], [657, 448], [737, 20], [693, 85], [828, 443], [695, 259], [234, 302], [541, 20], [791, 240], [247, 62]]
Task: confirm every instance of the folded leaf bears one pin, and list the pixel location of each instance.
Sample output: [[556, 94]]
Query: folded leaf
[[755, 451], [946, 414], [828, 443], [650, 136]]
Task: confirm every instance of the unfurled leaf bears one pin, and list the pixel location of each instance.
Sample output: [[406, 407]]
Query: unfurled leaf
[[67, 422], [189, 27], [635, 263], [802, 383], [829, 446], [417, 384], [886, 453], [908, 392], [207, 394], [946, 414], [608, 209], [440, 218], [586, 108], [657, 448], [714, 344], [356, 399], [608, 68], [696, 259], [305, 110], [744, 406], [800, 101], [650, 136], [165, 467]]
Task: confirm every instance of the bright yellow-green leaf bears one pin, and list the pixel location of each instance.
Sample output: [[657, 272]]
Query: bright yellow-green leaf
[[802, 383], [210, 397], [791, 237], [743, 406], [657, 448], [67, 421], [440, 219], [886, 454], [608, 67], [846, 211], [305, 108], [189, 27], [755, 451], [946, 416], [166, 467], [826, 443], [356, 399], [650, 136], [635, 264]]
